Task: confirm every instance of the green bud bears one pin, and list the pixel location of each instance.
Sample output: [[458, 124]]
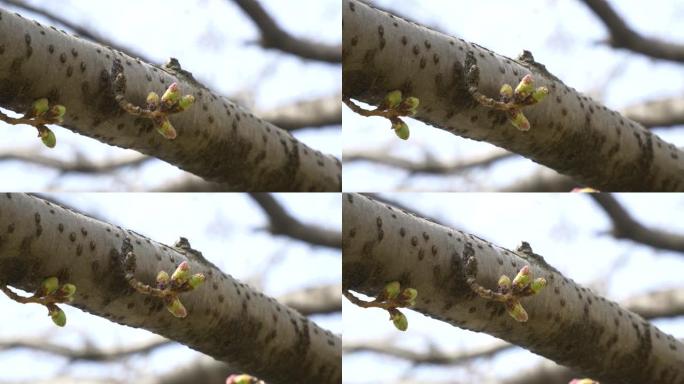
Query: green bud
[[506, 92], [240, 379], [525, 87], [56, 113], [504, 283], [39, 107], [392, 99], [391, 290], [185, 102], [537, 285], [166, 129], [171, 95], [583, 381], [400, 129], [48, 287], [520, 121], [47, 136], [176, 308], [57, 315], [409, 106], [408, 296], [516, 310], [162, 279], [400, 321], [181, 274], [540, 93], [67, 292], [196, 280], [152, 100], [522, 278]]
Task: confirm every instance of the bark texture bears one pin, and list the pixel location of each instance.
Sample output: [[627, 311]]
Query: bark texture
[[570, 133], [227, 319], [217, 139], [567, 323]]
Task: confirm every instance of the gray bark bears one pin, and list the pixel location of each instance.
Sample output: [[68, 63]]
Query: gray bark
[[568, 323], [227, 319], [570, 133], [217, 139]]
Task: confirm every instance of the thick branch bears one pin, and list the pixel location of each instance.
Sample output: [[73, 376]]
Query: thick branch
[[226, 319], [79, 30], [217, 140], [382, 244], [282, 223], [623, 36], [625, 227], [666, 303], [570, 133], [273, 36]]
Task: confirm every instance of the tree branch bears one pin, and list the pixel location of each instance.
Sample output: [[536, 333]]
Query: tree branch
[[625, 227], [623, 36], [321, 112], [658, 304], [282, 223], [78, 166], [79, 30], [570, 133], [217, 140], [665, 112], [273, 36], [429, 166], [382, 244], [88, 353], [227, 319]]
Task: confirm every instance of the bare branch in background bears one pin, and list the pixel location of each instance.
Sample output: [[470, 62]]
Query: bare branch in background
[[77, 166], [666, 112], [320, 112], [315, 300], [282, 223], [79, 30], [545, 180], [623, 36], [434, 357], [88, 353], [626, 227], [430, 165], [273, 36]]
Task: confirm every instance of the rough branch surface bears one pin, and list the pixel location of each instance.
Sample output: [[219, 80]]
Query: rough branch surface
[[227, 319], [570, 132], [217, 139], [567, 323]]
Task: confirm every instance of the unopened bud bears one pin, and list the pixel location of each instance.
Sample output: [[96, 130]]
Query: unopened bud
[[398, 319], [516, 310], [400, 129], [166, 129], [392, 99], [177, 308]]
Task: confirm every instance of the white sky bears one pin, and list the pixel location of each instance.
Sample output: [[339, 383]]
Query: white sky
[[567, 229], [215, 41], [563, 35], [224, 227]]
